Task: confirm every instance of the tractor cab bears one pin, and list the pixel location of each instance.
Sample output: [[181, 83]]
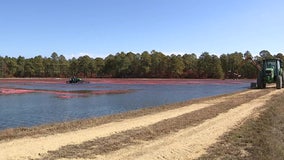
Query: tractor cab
[[270, 69], [271, 72]]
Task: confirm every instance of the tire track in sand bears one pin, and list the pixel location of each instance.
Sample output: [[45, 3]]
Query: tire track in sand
[[30, 148], [192, 142]]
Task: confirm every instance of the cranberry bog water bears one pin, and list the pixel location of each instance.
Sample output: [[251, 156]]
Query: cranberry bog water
[[30, 102]]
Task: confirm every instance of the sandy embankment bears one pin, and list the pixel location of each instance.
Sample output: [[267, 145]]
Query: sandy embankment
[[186, 143]]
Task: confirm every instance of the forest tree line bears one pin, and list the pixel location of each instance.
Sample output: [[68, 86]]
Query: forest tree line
[[152, 64]]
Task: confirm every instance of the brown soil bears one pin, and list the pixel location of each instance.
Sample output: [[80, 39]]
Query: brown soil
[[179, 131]]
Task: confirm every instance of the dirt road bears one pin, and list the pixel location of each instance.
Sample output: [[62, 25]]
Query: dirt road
[[181, 133]]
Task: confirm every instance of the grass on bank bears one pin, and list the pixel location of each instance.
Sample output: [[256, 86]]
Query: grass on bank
[[261, 138]]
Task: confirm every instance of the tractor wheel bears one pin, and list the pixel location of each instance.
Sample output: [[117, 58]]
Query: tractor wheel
[[260, 82], [283, 80], [264, 85], [279, 82]]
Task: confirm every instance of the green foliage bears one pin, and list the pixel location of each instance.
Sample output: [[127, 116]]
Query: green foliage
[[190, 65], [135, 65], [145, 64], [209, 66], [158, 64], [176, 66], [20, 67], [232, 64], [99, 64], [85, 65]]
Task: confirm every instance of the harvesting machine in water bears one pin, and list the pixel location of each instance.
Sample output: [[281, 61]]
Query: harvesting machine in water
[[76, 80]]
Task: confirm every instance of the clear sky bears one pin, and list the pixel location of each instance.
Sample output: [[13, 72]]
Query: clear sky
[[101, 27]]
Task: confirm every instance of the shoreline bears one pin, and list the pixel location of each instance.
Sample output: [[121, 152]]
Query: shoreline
[[130, 80], [182, 130]]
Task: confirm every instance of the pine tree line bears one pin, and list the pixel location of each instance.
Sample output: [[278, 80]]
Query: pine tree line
[[152, 64]]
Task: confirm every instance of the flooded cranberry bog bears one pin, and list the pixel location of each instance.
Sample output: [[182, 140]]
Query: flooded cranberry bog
[[31, 102]]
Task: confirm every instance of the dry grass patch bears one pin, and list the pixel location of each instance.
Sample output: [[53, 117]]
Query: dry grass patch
[[260, 138]]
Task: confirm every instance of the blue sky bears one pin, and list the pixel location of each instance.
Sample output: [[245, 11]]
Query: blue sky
[[101, 27]]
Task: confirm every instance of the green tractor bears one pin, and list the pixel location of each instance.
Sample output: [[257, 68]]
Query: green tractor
[[271, 71]]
